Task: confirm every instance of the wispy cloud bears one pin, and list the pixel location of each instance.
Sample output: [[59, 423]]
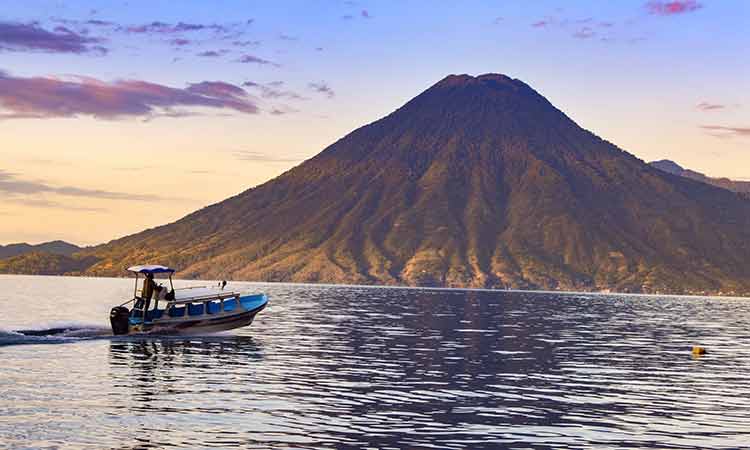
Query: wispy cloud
[[584, 33], [671, 8], [13, 185], [321, 87], [363, 14], [30, 37], [99, 23], [250, 155], [707, 106], [272, 90], [44, 97], [724, 131], [47, 204], [179, 42], [286, 37], [246, 43], [157, 27], [252, 59], [540, 24], [213, 53]]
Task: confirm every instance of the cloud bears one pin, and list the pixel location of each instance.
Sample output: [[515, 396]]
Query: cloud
[[270, 90], [725, 132], [168, 28], [246, 43], [670, 8], [12, 185], [99, 23], [180, 42], [365, 14], [322, 88], [213, 53], [347, 17], [249, 155], [706, 106], [44, 203], [286, 37], [44, 97], [584, 33], [20, 37], [252, 59], [540, 24]]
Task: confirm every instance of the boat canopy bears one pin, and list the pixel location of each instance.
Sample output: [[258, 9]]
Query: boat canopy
[[150, 268]]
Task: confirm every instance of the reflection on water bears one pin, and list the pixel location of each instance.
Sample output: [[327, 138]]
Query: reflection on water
[[350, 367]]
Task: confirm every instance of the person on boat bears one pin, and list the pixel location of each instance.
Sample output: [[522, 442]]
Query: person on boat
[[149, 286]]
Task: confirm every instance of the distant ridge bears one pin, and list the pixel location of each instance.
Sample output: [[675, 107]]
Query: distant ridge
[[741, 187], [54, 247], [476, 182]]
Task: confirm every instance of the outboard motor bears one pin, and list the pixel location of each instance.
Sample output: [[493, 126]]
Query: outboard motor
[[118, 317]]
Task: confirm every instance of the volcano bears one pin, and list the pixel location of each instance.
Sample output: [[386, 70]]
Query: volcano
[[476, 182]]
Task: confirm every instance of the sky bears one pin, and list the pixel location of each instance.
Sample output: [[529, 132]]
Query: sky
[[117, 116]]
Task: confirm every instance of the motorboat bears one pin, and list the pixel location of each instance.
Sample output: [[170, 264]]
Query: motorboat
[[160, 309]]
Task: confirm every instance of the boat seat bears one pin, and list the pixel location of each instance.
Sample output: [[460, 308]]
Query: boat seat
[[154, 314], [213, 308], [230, 305], [195, 310], [177, 312]]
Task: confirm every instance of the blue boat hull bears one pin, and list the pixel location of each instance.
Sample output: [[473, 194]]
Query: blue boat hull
[[242, 316]]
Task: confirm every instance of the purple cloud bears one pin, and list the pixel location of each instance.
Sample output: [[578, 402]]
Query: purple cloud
[[584, 33], [251, 59], [179, 42], [706, 106], [31, 37], [213, 53], [365, 14], [216, 89], [99, 23], [723, 131], [271, 90], [670, 8], [168, 28], [246, 43], [12, 185], [540, 24], [45, 97], [322, 88]]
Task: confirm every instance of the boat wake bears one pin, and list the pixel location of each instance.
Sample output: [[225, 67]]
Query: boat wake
[[56, 333]]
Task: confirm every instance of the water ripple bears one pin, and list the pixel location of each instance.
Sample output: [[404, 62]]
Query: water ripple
[[352, 367]]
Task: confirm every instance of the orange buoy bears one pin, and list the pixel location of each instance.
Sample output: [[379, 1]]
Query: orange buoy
[[698, 350]]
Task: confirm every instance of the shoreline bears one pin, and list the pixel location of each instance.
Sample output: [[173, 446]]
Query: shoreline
[[431, 288]]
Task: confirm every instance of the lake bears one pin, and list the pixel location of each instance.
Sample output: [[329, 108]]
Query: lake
[[345, 367]]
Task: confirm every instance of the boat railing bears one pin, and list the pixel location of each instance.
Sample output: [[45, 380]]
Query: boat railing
[[191, 287], [204, 298]]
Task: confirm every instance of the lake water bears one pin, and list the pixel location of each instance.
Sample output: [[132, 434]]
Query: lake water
[[356, 367]]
